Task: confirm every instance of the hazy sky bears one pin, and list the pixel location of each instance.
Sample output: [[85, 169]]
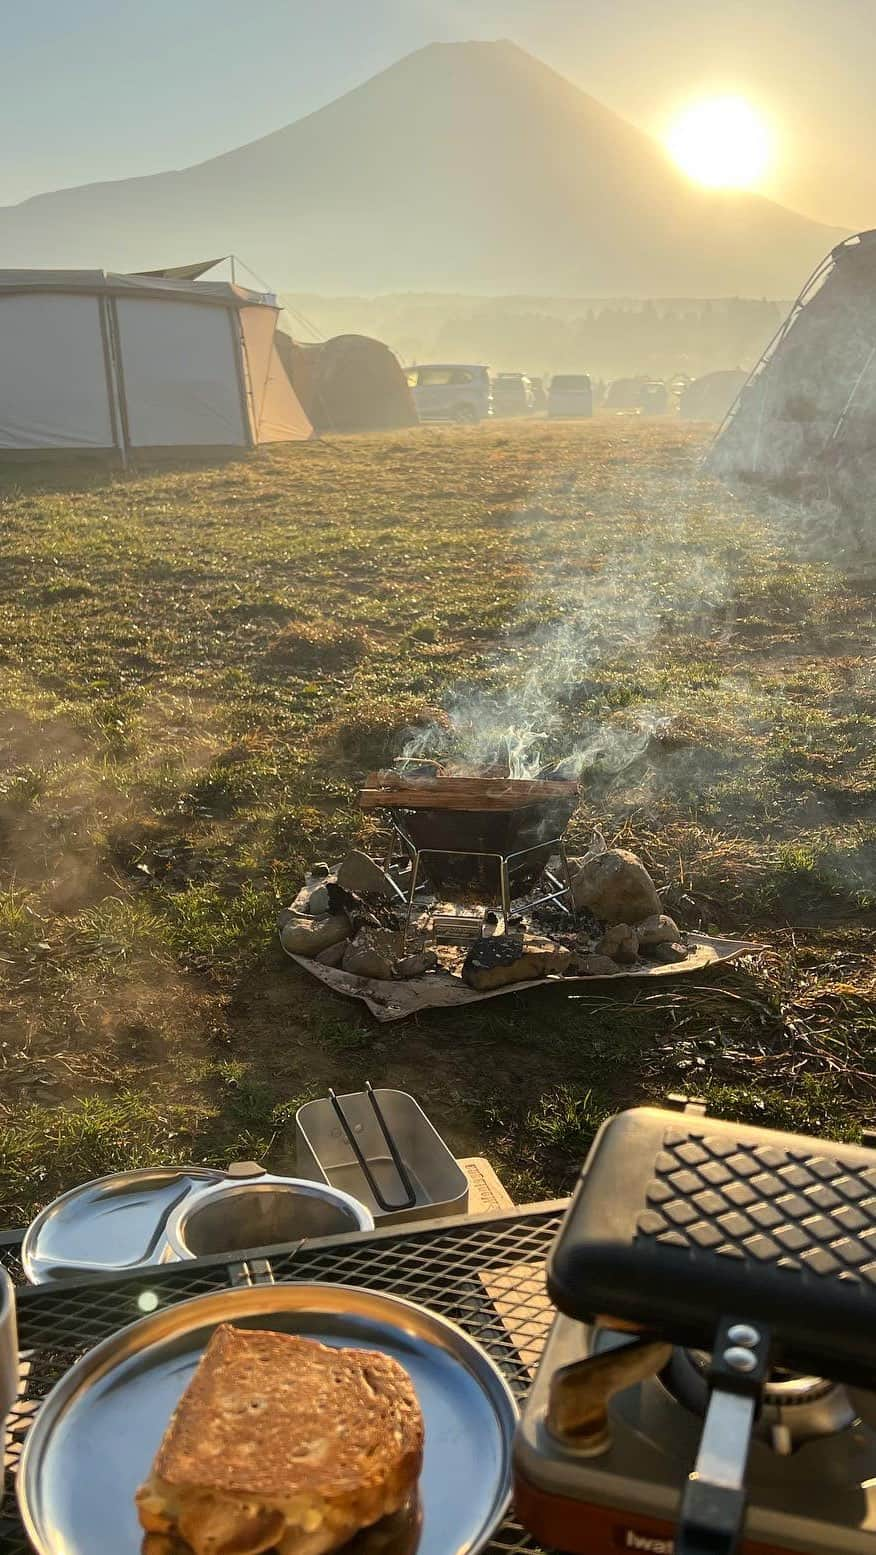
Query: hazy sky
[[93, 89]]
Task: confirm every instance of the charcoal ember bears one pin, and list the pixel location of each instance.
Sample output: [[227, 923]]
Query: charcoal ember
[[659, 929], [423, 769], [616, 887], [363, 911], [588, 925], [620, 942], [308, 936], [669, 953], [494, 961]]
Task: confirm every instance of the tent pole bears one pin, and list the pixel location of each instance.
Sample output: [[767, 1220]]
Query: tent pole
[[112, 391], [851, 399], [116, 340], [244, 379]]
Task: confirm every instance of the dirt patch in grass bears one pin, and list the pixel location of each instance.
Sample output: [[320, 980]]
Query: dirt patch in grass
[[306, 646], [198, 665]]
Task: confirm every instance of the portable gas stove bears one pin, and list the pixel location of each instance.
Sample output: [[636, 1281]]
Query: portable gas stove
[[723, 1405]]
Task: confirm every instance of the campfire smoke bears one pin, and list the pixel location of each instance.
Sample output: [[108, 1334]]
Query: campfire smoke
[[521, 727]]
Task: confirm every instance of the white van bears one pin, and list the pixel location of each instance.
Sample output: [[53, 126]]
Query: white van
[[451, 391]]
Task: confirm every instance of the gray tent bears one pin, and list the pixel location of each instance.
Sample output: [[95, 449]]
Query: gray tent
[[120, 364], [709, 398], [806, 418]]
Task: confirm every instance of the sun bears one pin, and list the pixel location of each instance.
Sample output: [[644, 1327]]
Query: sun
[[722, 142]]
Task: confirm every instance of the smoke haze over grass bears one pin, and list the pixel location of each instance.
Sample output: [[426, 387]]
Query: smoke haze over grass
[[177, 747]]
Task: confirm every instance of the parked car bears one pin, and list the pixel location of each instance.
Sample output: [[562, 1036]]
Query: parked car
[[512, 395], [451, 391], [539, 396], [654, 399], [570, 394], [624, 396]]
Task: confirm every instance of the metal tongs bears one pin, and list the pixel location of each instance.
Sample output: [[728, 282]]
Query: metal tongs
[[382, 1202]]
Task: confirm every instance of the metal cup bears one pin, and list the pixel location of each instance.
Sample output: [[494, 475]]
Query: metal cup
[[8, 1359]]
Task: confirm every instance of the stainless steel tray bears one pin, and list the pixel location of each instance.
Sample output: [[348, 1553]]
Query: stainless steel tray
[[96, 1434], [322, 1151], [110, 1224]]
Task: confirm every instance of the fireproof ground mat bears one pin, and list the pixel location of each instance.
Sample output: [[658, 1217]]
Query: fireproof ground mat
[[389, 1001]]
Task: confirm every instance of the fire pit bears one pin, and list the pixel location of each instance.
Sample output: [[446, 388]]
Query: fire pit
[[389, 933], [485, 834]]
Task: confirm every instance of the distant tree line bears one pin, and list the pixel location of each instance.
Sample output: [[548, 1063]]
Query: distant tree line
[[609, 339]]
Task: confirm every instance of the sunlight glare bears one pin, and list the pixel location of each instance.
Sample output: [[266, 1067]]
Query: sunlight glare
[[722, 142]]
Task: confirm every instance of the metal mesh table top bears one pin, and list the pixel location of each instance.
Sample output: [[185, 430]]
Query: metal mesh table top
[[485, 1274]]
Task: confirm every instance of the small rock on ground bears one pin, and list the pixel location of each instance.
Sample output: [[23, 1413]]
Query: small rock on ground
[[658, 930], [307, 937], [333, 955], [620, 942], [417, 965], [365, 961], [616, 887], [359, 873]]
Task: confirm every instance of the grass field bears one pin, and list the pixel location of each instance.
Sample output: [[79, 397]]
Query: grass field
[[196, 665]]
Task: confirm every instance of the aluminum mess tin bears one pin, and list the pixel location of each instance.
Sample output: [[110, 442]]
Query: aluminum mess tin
[[96, 1435], [323, 1152], [112, 1224]]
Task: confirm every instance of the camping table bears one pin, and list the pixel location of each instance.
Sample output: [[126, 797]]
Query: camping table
[[484, 1272]]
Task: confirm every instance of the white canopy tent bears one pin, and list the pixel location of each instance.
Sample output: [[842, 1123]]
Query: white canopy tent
[[122, 363]]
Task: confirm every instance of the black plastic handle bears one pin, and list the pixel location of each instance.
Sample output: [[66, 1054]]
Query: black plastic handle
[[712, 1519]]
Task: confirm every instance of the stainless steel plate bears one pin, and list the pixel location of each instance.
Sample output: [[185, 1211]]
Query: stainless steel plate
[[112, 1223], [96, 1434]]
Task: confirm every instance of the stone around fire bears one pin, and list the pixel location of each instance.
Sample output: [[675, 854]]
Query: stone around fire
[[308, 936], [616, 887]]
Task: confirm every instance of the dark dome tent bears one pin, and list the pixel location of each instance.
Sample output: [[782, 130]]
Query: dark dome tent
[[806, 417], [349, 384], [625, 394], [709, 398]]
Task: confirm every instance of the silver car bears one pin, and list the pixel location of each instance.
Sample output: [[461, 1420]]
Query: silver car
[[451, 391]]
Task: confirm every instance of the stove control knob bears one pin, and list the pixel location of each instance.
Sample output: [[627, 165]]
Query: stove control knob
[[744, 1334], [738, 1358]]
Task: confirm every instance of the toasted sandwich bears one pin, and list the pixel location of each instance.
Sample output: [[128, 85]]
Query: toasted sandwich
[[280, 1443]]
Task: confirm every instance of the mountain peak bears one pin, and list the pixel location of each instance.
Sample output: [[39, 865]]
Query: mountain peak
[[466, 166]]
